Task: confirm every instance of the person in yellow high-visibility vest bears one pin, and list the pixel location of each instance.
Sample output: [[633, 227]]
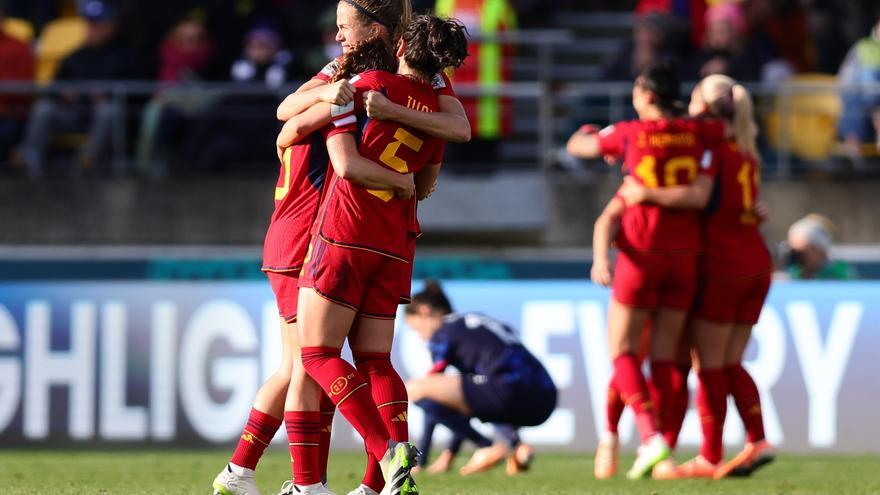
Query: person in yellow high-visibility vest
[[488, 65]]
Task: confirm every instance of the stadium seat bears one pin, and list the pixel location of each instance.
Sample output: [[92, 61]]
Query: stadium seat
[[19, 29], [58, 39], [811, 119]]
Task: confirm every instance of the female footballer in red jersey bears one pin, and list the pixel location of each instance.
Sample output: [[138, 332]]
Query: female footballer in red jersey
[[297, 195], [359, 20], [734, 278], [303, 169], [359, 263], [655, 274]]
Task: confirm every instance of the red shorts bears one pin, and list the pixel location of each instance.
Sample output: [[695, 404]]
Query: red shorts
[[648, 280], [365, 281], [285, 285], [732, 300]]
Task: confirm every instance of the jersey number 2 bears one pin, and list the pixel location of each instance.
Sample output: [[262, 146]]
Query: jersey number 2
[[389, 157]]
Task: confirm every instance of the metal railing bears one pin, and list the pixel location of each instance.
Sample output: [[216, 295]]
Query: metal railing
[[546, 108]]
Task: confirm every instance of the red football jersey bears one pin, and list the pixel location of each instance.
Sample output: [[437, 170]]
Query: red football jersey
[[377, 220], [732, 243], [662, 153], [441, 83], [297, 196]]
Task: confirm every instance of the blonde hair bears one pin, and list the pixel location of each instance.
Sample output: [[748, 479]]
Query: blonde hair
[[729, 100]]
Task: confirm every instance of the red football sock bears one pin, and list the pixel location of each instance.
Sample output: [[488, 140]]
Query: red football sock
[[748, 401], [373, 475], [389, 394], [389, 391], [351, 394], [682, 400], [328, 410], [257, 434], [665, 384], [303, 432], [631, 383], [712, 408], [614, 407]]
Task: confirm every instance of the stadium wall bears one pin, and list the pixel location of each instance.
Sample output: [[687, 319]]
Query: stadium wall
[[531, 208], [178, 363]]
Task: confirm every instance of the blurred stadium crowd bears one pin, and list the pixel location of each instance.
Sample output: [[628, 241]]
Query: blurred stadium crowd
[[189, 87]]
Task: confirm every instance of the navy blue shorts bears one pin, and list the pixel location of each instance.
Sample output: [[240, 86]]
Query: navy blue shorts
[[518, 392]]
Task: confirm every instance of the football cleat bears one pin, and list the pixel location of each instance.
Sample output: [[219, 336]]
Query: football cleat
[[363, 490], [605, 462], [698, 467], [753, 456], [649, 454], [289, 488], [665, 470], [397, 463], [229, 483], [484, 459]]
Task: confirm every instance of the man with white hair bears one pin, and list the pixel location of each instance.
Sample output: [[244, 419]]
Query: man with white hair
[[809, 240]]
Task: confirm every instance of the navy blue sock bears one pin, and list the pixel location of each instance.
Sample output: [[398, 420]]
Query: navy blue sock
[[508, 434], [425, 442], [455, 421]]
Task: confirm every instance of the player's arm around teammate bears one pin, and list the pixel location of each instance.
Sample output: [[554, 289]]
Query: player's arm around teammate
[[449, 124]]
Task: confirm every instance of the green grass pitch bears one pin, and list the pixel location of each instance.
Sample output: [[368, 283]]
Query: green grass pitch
[[191, 472]]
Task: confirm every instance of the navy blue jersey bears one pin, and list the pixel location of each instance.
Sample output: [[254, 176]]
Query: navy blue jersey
[[473, 343]]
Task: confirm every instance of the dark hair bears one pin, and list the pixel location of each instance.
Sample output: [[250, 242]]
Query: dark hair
[[431, 296], [393, 14], [433, 44], [662, 80], [372, 54]]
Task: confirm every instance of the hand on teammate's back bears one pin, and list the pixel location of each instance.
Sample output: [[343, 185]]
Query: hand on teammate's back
[[338, 93], [377, 105], [761, 211], [631, 191], [408, 187]]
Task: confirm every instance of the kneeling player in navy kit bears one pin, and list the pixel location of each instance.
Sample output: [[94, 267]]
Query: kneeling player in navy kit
[[500, 381]]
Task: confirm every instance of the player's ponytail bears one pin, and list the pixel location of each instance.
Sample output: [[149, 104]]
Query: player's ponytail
[[728, 100], [433, 297], [744, 127], [433, 44], [372, 54]]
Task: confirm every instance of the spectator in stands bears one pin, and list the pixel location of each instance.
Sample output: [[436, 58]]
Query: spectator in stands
[[235, 129], [809, 242], [185, 56], [488, 64], [656, 37], [16, 64], [103, 58], [727, 48], [860, 119]]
